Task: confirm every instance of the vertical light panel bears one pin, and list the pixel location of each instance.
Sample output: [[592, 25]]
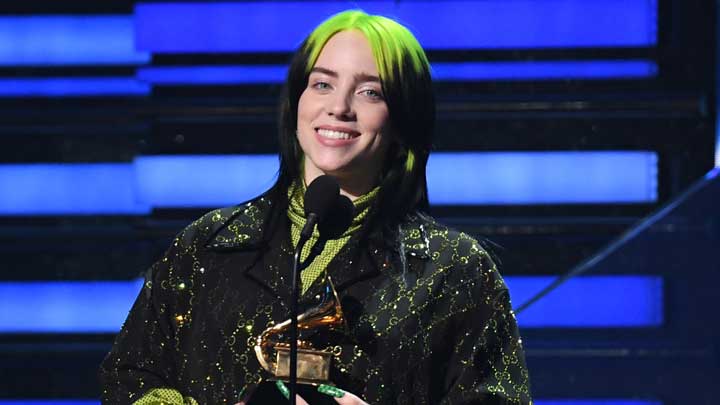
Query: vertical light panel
[[101, 307], [462, 178], [547, 70], [469, 178], [73, 87], [66, 306], [279, 26], [212, 75], [536, 402], [441, 72], [49, 402], [74, 189], [717, 86], [203, 181], [590, 302], [615, 401], [68, 40]]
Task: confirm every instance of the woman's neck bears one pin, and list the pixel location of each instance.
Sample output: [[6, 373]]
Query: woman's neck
[[351, 186]]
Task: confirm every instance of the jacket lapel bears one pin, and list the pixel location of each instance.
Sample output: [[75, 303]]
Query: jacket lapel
[[261, 228], [255, 229], [366, 259]]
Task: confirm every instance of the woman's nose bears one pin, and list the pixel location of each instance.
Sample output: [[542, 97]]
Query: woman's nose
[[341, 106]]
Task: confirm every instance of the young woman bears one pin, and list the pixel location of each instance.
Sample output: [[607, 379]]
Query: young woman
[[427, 317]]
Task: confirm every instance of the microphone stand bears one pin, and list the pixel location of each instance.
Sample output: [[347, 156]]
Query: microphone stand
[[304, 237]]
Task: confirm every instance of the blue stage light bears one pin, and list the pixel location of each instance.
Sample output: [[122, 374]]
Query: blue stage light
[[469, 178], [591, 302], [548, 70], [101, 306], [442, 72], [454, 178], [74, 189], [717, 114], [597, 402], [717, 92], [213, 75], [279, 26], [73, 87], [68, 40], [49, 402], [66, 306], [717, 147], [203, 181], [536, 402]]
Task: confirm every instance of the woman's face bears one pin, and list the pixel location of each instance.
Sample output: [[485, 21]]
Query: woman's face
[[342, 114]]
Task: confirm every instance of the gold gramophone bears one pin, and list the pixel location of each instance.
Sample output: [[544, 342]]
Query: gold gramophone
[[313, 365]]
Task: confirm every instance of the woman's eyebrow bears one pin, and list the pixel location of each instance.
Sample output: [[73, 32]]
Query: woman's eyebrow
[[318, 69], [359, 77], [364, 77]]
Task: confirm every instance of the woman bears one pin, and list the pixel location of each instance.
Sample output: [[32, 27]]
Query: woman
[[428, 318]]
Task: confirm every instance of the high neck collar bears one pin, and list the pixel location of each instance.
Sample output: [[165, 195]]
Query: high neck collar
[[296, 208]]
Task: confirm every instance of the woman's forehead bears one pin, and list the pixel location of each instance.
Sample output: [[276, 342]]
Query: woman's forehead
[[347, 51]]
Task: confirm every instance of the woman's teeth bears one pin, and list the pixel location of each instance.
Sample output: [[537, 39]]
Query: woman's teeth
[[327, 133]]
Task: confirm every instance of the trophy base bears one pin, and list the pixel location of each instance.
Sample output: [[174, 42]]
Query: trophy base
[[313, 366]]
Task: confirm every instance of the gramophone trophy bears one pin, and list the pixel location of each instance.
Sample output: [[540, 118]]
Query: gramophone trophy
[[313, 364]]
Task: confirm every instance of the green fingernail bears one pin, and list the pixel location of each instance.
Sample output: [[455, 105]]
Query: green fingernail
[[283, 389], [330, 390]]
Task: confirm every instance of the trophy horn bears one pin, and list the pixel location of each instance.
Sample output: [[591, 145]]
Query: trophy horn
[[313, 364]]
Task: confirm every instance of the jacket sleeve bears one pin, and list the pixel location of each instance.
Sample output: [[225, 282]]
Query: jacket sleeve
[[141, 358], [487, 361]]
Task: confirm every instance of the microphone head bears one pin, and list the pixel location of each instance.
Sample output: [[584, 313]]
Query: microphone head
[[339, 220], [321, 196]]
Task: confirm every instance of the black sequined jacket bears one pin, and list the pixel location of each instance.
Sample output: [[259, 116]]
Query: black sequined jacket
[[428, 316]]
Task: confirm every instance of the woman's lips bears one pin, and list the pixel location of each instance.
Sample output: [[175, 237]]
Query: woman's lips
[[335, 137]]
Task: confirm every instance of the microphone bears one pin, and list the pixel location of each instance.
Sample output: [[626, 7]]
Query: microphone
[[320, 197], [333, 214], [334, 225]]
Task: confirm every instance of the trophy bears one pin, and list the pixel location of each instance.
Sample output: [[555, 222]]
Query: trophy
[[313, 364]]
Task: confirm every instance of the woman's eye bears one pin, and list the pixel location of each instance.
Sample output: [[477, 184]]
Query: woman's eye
[[372, 93], [321, 85]]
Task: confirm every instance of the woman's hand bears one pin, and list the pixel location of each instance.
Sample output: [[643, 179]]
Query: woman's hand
[[340, 396]]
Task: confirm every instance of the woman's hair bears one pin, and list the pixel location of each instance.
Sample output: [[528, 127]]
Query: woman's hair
[[407, 88]]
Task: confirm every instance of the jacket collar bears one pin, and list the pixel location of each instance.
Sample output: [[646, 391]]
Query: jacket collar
[[249, 228], [247, 224], [241, 227]]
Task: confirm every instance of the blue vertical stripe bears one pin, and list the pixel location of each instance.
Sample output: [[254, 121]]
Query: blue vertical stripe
[[454, 178], [73, 87], [591, 301], [441, 72], [489, 24], [536, 402], [80, 189], [203, 181], [68, 40], [101, 306], [468, 178], [717, 87]]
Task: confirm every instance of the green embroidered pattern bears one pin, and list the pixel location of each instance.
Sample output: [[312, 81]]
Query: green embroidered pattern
[[296, 213]]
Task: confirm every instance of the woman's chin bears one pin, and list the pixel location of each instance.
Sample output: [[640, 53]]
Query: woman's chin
[[335, 169]]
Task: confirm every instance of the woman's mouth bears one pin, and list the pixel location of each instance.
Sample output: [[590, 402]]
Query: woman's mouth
[[334, 134]]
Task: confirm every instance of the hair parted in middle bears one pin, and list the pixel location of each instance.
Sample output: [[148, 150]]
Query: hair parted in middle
[[404, 72]]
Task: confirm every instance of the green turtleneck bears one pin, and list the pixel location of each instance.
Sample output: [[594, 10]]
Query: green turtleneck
[[296, 213]]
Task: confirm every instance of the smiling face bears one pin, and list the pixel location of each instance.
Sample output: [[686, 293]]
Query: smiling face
[[342, 115]]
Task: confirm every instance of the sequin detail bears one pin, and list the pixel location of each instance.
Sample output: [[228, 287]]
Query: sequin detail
[[440, 331]]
